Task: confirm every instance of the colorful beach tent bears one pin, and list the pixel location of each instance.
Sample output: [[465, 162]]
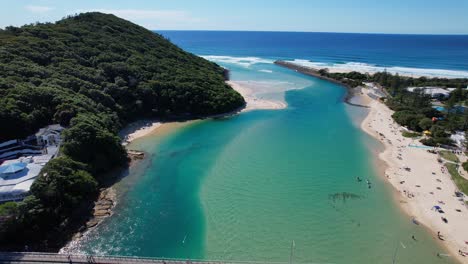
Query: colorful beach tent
[[12, 168]]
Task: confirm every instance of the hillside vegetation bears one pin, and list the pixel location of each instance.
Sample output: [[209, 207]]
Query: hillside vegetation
[[92, 73]]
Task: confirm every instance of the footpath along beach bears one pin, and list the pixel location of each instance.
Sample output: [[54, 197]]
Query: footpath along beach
[[423, 184]]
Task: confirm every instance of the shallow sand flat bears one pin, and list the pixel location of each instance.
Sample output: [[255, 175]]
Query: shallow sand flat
[[253, 102], [420, 189]]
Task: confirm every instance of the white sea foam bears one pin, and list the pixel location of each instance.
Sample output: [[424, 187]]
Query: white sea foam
[[342, 67], [369, 68], [242, 61]]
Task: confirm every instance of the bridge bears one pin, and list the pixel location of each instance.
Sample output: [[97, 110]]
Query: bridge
[[39, 257], [49, 258]]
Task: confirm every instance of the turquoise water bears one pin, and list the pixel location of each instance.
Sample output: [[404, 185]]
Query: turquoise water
[[247, 186]]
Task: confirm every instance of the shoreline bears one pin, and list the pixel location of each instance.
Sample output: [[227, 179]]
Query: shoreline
[[145, 127], [350, 91], [138, 129], [253, 102], [417, 190], [357, 67]]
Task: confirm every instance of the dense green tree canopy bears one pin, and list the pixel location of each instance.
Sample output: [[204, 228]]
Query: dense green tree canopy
[[100, 63]]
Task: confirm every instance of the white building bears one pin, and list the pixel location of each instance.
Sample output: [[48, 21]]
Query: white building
[[49, 135], [17, 172], [459, 139], [434, 92]]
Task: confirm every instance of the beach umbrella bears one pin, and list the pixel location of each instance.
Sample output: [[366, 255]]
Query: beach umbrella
[[12, 168]]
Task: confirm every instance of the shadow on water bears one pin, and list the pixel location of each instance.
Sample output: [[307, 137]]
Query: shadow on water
[[344, 196]]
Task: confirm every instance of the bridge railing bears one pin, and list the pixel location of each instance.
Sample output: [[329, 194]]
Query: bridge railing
[[88, 258]]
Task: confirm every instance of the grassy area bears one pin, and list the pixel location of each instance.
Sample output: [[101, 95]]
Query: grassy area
[[461, 182], [411, 134], [7, 208], [447, 155]]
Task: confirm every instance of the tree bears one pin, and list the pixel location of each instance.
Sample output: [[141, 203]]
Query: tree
[[90, 142], [63, 184], [425, 123]]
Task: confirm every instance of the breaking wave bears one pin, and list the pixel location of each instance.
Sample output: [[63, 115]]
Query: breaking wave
[[342, 67], [241, 61], [369, 68]]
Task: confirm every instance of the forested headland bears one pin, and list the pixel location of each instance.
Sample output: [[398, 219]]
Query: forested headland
[[92, 73]]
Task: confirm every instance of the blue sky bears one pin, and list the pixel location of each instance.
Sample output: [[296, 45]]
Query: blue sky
[[365, 16]]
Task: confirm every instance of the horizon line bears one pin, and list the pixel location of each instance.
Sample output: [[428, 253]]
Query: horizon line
[[324, 32]]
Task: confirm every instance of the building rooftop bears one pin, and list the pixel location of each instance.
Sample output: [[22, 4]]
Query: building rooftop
[[54, 129], [433, 91], [30, 171], [18, 174], [15, 186]]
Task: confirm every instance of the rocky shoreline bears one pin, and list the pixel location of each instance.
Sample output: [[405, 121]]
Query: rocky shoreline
[[102, 209], [106, 201]]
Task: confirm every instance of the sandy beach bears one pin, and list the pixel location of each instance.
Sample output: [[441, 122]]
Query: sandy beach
[[138, 129], [253, 101], [421, 181], [143, 128]]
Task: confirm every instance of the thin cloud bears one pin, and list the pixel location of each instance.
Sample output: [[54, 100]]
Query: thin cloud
[[152, 19], [38, 9]]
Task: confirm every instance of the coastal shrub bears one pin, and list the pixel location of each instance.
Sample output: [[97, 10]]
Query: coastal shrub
[[465, 166], [409, 119], [438, 131], [437, 141], [425, 123], [409, 134]]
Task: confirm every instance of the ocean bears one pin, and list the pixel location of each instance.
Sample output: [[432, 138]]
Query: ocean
[[431, 55], [275, 185]]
